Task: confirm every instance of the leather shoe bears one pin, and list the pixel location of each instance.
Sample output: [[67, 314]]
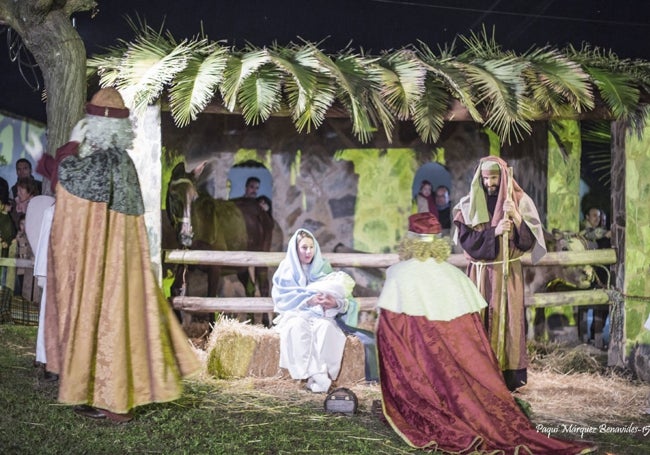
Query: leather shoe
[[50, 377], [117, 418], [88, 411]]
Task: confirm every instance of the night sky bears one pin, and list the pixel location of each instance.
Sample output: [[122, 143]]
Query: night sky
[[370, 25]]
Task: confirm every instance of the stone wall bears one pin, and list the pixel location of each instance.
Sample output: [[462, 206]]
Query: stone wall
[[316, 184]]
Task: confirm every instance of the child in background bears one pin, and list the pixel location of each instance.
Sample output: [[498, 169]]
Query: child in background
[[24, 276]]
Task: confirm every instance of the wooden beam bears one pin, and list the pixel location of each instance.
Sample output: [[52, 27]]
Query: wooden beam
[[570, 298], [244, 304], [272, 259], [17, 262], [457, 112], [265, 304]]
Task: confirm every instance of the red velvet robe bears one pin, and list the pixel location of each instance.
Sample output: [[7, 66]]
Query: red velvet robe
[[442, 389]]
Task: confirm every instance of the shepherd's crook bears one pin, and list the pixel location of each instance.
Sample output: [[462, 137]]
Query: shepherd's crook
[[504, 282]]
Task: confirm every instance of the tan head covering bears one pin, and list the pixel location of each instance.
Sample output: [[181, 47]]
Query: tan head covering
[[490, 167], [107, 102], [472, 209], [478, 212]]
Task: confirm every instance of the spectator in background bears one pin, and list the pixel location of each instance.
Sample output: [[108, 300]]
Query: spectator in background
[[266, 205], [4, 191], [424, 199], [24, 171], [444, 208], [24, 276], [7, 226], [598, 236], [595, 229], [26, 189], [252, 187]]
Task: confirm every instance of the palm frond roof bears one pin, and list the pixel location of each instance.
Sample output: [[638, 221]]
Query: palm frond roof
[[501, 89]]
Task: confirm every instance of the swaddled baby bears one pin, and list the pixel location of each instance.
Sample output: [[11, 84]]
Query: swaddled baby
[[337, 284]]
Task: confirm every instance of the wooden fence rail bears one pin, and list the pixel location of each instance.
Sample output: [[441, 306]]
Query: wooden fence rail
[[369, 260]]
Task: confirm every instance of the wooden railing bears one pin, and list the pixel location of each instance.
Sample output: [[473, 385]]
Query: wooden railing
[[369, 260]]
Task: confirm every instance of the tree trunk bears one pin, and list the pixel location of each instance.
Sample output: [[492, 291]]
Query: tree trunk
[[47, 32], [61, 55]]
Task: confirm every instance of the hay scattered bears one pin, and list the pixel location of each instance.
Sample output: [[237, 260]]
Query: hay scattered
[[565, 359], [584, 397], [565, 384]]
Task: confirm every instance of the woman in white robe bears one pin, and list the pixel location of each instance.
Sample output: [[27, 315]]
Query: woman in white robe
[[308, 296]]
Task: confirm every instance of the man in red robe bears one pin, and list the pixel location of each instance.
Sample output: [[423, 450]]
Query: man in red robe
[[440, 383]]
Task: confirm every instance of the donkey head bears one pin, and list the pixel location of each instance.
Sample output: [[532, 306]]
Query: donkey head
[[181, 194]]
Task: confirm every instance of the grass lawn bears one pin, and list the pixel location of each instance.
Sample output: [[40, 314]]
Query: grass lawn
[[247, 416]]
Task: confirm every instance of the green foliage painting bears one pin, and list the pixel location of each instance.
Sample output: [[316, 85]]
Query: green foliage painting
[[563, 190], [383, 197], [637, 237]]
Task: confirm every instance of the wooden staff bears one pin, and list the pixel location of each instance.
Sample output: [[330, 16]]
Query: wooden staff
[[505, 239]]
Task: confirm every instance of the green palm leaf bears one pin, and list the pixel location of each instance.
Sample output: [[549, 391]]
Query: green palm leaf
[[499, 88], [554, 81], [430, 109], [151, 63], [107, 66], [238, 68], [617, 90], [451, 76], [309, 91], [194, 87], [358, 86], [498, 85], [260, 93], [403, 76]]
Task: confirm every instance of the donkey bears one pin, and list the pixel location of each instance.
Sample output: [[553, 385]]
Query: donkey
[[558, 278], [201, 222]]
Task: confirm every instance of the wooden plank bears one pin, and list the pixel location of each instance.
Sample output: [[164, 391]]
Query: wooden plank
[[17, 262], [244, 304], [570, 298], [569, 258], [272, 259], [265, 304]]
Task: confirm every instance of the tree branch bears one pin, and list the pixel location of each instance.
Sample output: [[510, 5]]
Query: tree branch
[[8, 13], [75, 6]]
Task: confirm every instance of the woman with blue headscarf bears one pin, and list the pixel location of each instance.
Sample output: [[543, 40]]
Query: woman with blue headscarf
[[308, 296]]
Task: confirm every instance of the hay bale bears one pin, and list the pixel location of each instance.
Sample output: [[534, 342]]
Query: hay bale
[[353, 364], [237, 350]]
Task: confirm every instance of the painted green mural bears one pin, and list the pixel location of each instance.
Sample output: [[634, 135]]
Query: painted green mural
[[243, 155], [382, 209], [563, 187], [637, 238], [495, 142], [563, 190], [6, 142]]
